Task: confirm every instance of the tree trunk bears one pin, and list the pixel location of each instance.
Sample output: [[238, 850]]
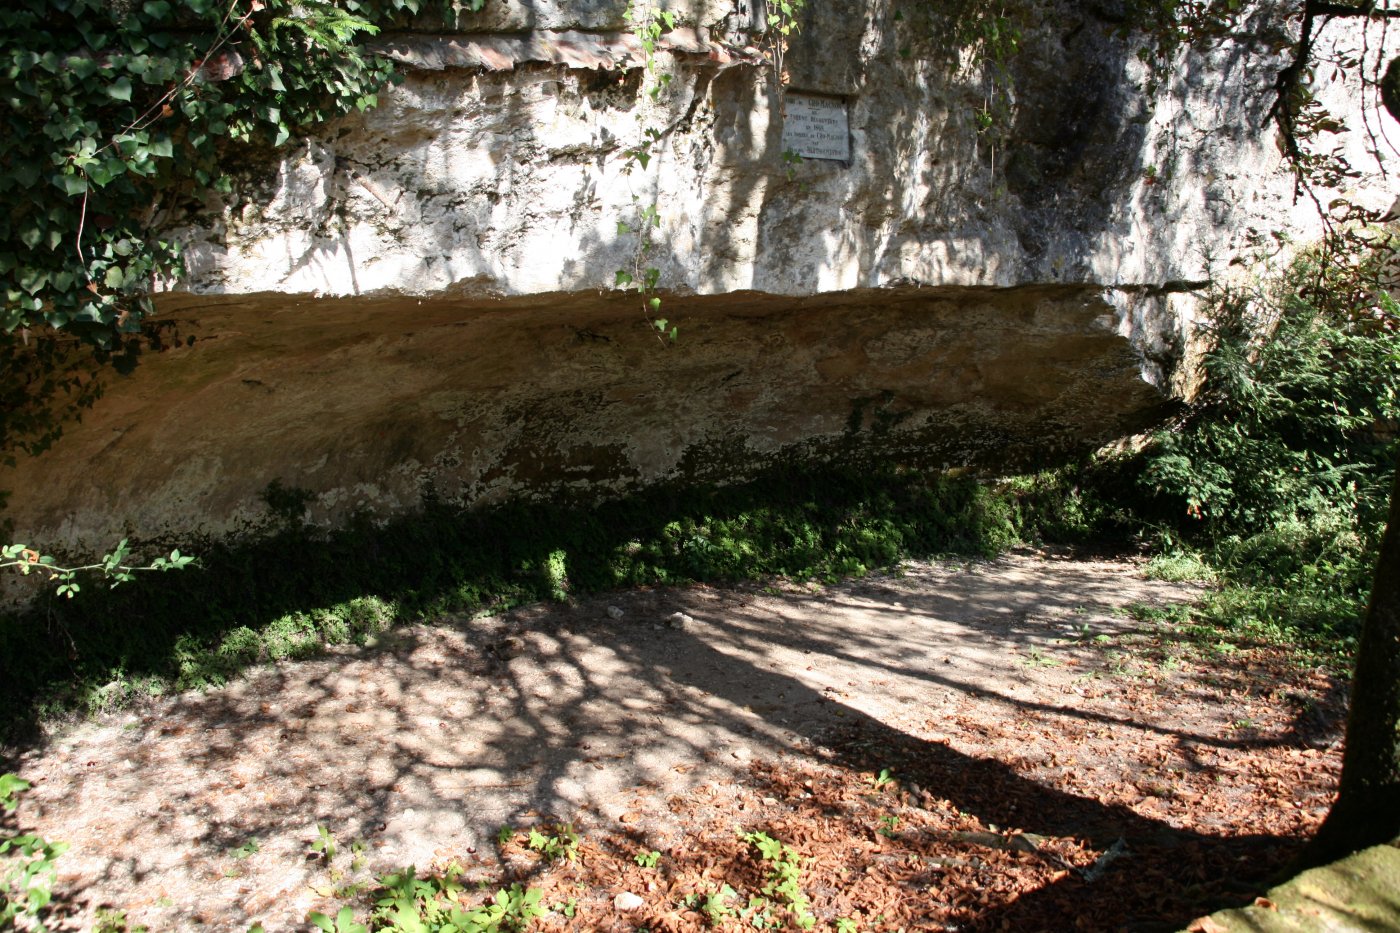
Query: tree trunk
[[1367, 809]]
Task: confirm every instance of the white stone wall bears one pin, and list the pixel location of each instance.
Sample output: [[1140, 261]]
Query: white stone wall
[[421, 298], [471, 182]]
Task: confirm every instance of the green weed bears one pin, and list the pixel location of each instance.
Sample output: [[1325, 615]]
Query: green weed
[[560, 844], [717, 906], [784, 879], [406, 903], [324, 846], [882, 780], [109, 920], [28, 866], [344, 922]]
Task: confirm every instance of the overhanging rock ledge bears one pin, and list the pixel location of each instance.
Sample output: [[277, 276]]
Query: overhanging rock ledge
[[420, 299]]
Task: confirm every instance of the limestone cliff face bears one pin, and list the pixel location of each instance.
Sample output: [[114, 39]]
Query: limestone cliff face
[[421, 298]]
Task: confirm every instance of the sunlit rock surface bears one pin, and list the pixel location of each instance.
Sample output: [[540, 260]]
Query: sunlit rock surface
[[421, 299]]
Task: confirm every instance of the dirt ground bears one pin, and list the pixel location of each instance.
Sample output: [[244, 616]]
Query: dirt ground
[[1055, 763]]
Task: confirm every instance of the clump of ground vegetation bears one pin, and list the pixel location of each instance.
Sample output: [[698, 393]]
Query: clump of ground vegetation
[[289, 592], [1275, 481]]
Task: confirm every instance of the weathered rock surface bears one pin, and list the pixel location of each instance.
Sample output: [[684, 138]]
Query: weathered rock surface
[[372, 403], [1354, 894], [421, 298]]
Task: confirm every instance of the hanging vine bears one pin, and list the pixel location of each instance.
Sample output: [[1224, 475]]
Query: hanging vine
[[649, 23]]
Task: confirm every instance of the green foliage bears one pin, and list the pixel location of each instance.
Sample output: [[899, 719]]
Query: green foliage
[[27, 865], [1178, 567], [556, 566], [717, 906], [111, 567], [344, 922], [647, 859], [1279, 473], [783, 881], [117, 112], [11, 786], [782, 16], [247, 849], [287, 592], [406, 903], [109, 920], [324, 845], [560, 844], [883, 780]]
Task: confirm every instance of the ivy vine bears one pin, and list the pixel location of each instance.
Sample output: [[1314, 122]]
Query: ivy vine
[[113, 115]]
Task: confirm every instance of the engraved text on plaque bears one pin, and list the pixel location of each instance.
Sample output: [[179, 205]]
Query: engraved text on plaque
[[816, 127]]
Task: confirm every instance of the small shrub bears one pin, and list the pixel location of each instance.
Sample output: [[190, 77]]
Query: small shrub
[[1278, 476]]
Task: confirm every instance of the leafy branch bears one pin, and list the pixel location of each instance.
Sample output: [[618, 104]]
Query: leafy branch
[[111, 567]]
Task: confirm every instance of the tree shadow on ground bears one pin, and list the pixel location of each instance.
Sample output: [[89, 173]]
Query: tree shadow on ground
[[423, 747], [271, 596]]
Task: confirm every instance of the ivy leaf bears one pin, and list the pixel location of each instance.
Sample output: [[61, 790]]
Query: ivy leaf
[[82, 66], [102, 172], [120, 89], [25, 174], [71, 184]]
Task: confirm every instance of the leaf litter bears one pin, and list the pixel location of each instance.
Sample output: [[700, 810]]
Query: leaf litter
[[957, 746]]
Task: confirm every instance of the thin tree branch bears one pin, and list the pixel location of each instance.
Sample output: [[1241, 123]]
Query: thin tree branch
[[1370, 10]]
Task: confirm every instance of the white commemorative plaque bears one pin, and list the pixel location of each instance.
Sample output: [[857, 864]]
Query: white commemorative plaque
[[816, 127]]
